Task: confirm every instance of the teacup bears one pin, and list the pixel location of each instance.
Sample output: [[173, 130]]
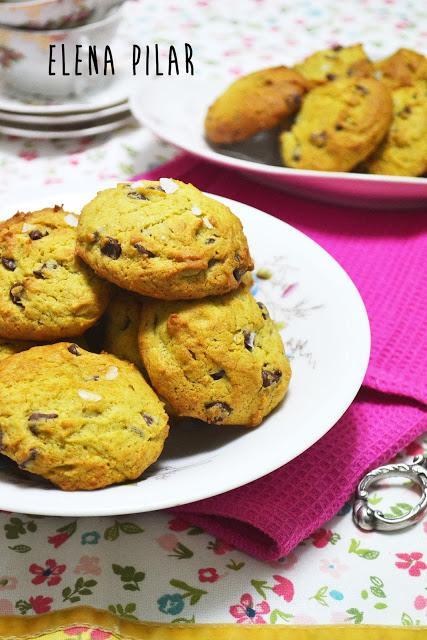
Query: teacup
[[53, 14], [27, 57]]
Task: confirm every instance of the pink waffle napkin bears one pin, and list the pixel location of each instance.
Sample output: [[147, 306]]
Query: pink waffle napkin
[[385, 253]]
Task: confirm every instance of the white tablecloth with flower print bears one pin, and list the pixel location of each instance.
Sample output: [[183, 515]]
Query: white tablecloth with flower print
[[154, 566]]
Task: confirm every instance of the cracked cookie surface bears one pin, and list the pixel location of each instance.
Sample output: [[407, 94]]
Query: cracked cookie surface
[[254, 103], [339, 125], [164, 239], [335, 63], [79, 419], [402, 69], [46, 292], [404, 150], [220, 359]]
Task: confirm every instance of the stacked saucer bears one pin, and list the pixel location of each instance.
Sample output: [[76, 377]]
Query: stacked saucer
[[72, 101]]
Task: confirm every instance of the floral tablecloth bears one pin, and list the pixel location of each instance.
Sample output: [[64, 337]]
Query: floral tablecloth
[[154, 566]]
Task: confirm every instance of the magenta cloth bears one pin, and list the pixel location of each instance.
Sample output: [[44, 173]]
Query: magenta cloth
[[385, 253]]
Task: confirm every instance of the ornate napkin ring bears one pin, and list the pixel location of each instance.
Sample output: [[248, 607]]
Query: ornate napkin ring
[[373, 519]]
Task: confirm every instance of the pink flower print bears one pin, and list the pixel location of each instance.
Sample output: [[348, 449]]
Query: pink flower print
[[411, 561], [95, 634], [334, 567], [321, 537], [168, 541], [40, 604], [209, 574], [176, 524], [58, 539], [284, 588], [8, 583], [219, 547], [51, 572], [6, 607], [28, 155], [89, 566], [246, 612], [420, 603]]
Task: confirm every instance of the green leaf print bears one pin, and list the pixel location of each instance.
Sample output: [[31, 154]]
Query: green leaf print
[[130, 528], [191, 620], [69, 528], [367, 554], [112, 533], [356, 616], [407, 621], [260, 586], [193, 593], [194, 531], [17, 527], [20, 548], [23, 607], [276, 613], [377, 587], [321, 595], [380, 605], [123, 612], [81, 588], [181, 552], [364, 594], [235, 566], [129, 576]]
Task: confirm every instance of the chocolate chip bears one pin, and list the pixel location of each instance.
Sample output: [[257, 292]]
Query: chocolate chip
[[296, 156], [148, 419], [264, 310], [39, 274], [319, 139], [405, 112], [143, 251], [112, 249], [9, 264], [249, 339], [37, 417], [36, 234], [239, 272], [58, 207], [74, 349], [268, 82], [220, 411], [218, 374], [294, 101], [212, 262], [363, 90], [337, 47], [95, 237], [15, 293], [338, 127], [331, 76], [270, 377], [137, 195], [210, 240], [32, 456], [139, 432]]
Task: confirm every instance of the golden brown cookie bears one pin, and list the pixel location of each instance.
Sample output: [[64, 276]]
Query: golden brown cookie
[[402, 68], [339, 125], [254, 103], [219, 359], [404, 150], [9, 347], [121, 326], [163, 239], [79, 419], [46, 292], [335, 64]]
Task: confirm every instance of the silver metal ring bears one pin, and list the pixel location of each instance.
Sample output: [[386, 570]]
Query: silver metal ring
[[372, 519]]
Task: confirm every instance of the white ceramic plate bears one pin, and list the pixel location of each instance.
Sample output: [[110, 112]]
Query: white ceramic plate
[[67, 119], [65, 132], [183, 126], [328, 341]]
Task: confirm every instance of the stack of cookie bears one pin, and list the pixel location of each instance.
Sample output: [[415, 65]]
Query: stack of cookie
[[336, 111], [164, 269]]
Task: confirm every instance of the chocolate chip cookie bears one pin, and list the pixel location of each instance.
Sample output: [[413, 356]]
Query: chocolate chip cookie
[[334, 64], [339, 125], [254, 103], [121, 326], [402, 69], [163, 239], [46, 292], [79, 419], [9, 347], [219, 359], [404, 150]]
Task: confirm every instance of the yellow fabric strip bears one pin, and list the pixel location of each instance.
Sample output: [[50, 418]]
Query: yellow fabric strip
[[59, 626]]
